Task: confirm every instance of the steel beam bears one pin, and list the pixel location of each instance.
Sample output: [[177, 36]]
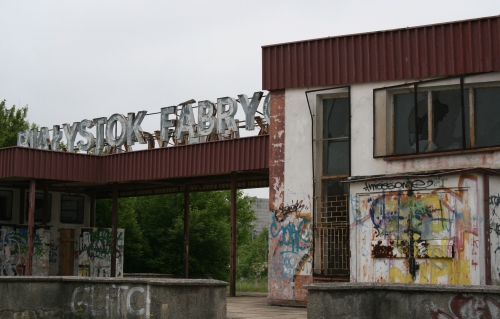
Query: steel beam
[[31, 227], [232, 263], [114, 227], [186, 231]]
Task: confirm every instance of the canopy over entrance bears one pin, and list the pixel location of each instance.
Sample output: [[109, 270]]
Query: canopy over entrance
[[210, 166]]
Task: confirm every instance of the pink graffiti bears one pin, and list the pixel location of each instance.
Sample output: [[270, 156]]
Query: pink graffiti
[[469, 307]]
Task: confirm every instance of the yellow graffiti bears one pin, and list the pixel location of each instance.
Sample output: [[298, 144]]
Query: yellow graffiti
[[398, 275], [442, 271]]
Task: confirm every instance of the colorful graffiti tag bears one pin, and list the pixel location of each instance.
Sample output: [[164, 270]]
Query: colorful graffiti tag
[[417, 231], [290, 247], [494, 224], [13, 255], [94, 253], [468, 307]]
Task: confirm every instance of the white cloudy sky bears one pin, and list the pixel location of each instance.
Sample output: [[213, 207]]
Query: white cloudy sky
[[72, 60]]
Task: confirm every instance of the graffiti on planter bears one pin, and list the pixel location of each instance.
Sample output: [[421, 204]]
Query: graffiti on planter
[[94, 253], [468, 307], [110, 302]]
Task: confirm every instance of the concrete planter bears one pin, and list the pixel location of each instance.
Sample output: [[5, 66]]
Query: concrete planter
[[77, 297], [391, 300]]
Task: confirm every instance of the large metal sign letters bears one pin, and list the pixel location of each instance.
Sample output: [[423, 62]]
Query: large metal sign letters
[[177, 123]]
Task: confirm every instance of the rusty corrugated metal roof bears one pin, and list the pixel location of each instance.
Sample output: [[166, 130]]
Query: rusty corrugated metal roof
[[459, 47], [203, 159]]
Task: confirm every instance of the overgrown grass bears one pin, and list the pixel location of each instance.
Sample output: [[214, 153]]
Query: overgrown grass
[[251, 285]]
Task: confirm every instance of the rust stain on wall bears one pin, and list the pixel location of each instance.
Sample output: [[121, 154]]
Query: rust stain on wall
[[277, 149]]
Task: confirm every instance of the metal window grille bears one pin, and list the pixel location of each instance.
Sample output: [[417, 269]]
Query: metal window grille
[[332, 237]]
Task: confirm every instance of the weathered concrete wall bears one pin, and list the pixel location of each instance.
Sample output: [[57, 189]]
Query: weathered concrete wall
[[72, 297], [379, 300]]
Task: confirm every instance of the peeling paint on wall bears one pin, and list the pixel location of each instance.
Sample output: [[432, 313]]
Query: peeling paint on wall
[[290, 232], [423, 231], [290, 250]]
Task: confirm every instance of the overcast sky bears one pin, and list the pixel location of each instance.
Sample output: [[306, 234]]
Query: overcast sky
[[75, 60]]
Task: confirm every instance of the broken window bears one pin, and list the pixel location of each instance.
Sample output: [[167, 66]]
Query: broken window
[[436, 116]]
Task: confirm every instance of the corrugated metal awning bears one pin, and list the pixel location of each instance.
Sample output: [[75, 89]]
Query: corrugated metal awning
[[204, 166], [470, 46]]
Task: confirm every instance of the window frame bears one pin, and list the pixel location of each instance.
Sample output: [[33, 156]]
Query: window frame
[[9, 194], [80, 214], [340, 92], [320, 180], [38, 195], [466, 82]]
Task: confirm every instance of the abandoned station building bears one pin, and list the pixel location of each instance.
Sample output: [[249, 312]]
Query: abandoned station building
[[381, 151], [385, 157]]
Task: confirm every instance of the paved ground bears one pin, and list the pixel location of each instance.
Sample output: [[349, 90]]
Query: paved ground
[[254, 305]]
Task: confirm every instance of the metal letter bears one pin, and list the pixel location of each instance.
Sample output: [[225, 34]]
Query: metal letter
[[43, 139], [225, 117], [55, 143], [70, 132], [267, 108], [165, 123], [206, 118], [23, 138], [33, 138], [119, 140], [86, 135], [99, 132], [134, 127], [186, 123], [250, 108]]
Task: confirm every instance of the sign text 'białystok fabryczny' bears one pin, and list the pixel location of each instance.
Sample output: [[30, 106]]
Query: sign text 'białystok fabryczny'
[[213, 118]]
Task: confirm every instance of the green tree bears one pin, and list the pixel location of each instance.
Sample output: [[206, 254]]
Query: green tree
[[160, 221], [252, 257], [135, 244], [12, 120]]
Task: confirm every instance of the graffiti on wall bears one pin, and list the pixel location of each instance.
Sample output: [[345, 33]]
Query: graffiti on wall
[[94, 252], [417, 231], [494, 222], [409, 184], [468, 307], [115, 302], [13, 255], [290, 244]]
